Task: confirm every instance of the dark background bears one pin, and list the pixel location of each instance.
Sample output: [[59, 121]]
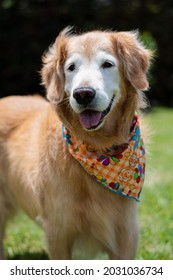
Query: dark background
[[28, 27]]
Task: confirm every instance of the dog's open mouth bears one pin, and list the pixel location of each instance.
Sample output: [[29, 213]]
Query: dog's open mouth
[[91, 119]]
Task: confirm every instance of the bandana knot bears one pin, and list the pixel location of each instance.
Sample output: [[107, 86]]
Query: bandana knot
[[120, 168]]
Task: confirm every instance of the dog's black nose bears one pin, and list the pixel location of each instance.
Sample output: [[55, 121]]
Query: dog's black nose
[[84, 95]]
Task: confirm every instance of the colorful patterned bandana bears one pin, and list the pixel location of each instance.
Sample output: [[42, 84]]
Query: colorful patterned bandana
[[121, 168]]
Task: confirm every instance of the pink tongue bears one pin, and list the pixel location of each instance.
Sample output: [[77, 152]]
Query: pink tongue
[[90, 118]]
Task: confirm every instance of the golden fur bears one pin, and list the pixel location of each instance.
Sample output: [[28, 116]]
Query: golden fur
[[38, 174]]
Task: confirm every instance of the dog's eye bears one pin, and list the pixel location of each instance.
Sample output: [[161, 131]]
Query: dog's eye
[[107, 64], [71, 67]]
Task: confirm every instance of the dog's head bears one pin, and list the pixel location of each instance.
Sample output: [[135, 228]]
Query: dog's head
[[95, 74]]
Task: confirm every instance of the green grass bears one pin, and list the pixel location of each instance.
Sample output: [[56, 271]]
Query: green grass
[[25, 240], [156, 207]]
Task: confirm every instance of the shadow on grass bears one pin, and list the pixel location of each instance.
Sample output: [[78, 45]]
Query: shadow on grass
[[30, 256]]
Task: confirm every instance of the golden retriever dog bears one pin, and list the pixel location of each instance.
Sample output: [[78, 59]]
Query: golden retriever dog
[[94, 83]]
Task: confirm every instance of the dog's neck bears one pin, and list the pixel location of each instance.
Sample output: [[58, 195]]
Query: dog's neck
[[119, 168]]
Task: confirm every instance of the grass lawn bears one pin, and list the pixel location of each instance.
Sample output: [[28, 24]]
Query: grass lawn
[[156, 207], [25, 240]]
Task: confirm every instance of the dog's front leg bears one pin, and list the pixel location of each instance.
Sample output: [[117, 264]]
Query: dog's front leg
[[127, 241], [2, 256], [59, 245]]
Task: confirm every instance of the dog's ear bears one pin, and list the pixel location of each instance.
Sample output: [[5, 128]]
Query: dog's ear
[[52, 71], [134, 57]]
